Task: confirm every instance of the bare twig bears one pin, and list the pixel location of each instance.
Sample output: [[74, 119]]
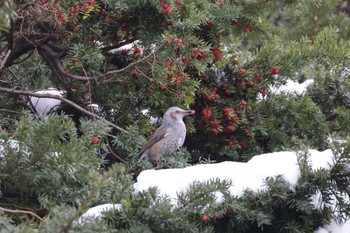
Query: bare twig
[[109, 73], [71, 103], [111, 150], [22, 212], [10, 111], [5, 59]]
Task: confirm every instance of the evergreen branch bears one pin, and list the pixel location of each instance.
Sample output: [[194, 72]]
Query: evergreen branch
[[96, 188], [211, 186], [197, 197], [71, 103], [23, 212], [257, 5]]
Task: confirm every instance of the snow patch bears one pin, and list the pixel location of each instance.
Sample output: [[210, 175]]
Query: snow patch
[[292, 87], [44, 106], [97, 212]]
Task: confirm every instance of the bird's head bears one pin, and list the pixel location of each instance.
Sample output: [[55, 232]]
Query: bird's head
[[175, 114]]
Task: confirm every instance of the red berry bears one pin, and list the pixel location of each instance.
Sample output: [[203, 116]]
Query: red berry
[[76, 87], [216, 53], [241, 71], [169, 65], [249, 27], [62, 18], [72, 12], [246, 131], [166, 8], [186, 60], [122, 25], [178, 1], [243, 144], [274, 70], [150, 133], [179, 42], [229, 112], [262, 92], [85, 6], [137, 51], [250, 84], [135, 72], [205, 218], [209, 23], [201, 56], [229, 210], [123, 52], [216, 215], [214, 131], [169, 10], [43, 1], [214, 124], [231, 145], [207, 114], [94, 139], [219, 3], [230, 128]]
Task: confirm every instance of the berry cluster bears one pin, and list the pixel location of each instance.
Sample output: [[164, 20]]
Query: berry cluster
[[166, 8], [227, 107], [174, 75], [243, 26], [198, 54], [216, 215], [83, 7]]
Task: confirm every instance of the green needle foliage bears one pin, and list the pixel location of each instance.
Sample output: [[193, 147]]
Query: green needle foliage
[[219, 58]]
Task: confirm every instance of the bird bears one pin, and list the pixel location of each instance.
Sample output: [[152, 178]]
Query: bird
[[169, 137]]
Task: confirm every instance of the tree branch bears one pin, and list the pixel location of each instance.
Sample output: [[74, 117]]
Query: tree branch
[[109, 73], [52, 59], [28, 93], [22, 212]]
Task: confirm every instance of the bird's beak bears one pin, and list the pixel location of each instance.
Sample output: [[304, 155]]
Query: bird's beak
[[189, 112]]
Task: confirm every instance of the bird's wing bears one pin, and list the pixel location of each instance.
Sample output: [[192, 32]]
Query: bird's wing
[[161, 133]]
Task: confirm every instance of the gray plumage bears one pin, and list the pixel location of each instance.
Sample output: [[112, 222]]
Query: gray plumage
[[169, 137]]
